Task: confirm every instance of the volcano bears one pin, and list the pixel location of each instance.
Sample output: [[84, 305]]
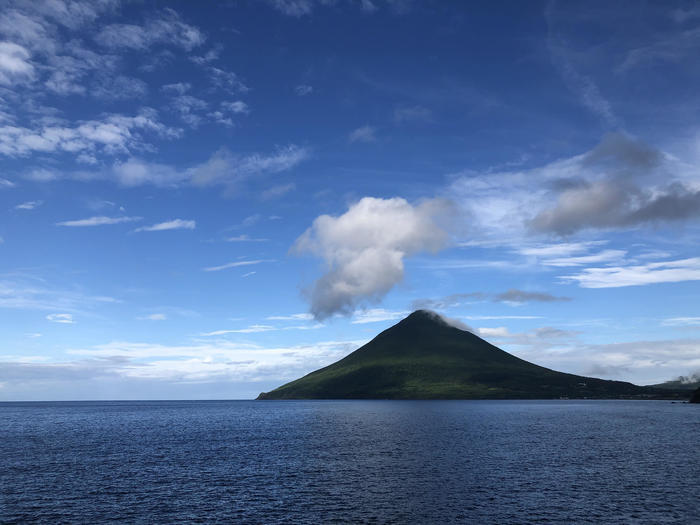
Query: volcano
[[424, 357]]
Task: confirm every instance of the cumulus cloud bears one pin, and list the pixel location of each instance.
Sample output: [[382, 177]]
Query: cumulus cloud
[[364, 249], [620, 183], [97, 221], [175, 224], [616, 188]]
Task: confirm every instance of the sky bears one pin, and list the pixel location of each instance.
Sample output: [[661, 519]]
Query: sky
[[205, 201]]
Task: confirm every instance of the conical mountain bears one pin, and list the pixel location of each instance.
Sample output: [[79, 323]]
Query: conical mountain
[[424, 357]]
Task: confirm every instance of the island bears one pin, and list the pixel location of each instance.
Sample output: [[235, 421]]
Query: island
[[426, 357]]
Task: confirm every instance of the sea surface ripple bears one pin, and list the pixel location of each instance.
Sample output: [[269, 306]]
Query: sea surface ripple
[[498, 462]]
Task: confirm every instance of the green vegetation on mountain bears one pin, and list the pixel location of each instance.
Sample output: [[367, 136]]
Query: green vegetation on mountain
[[423, 357]]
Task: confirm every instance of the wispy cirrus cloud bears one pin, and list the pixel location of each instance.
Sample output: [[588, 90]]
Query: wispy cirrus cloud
[[513, 297], [637, 275], [253, 329], [375, 315], [175, 224], [165, 28], [154, 317], [98, 221], [236, 264], [25, 292], [29, 205], [245, 238], [363, 134], [291, 317]]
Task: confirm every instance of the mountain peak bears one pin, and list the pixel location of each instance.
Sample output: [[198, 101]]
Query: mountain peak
[[425, 356], [429, 317]]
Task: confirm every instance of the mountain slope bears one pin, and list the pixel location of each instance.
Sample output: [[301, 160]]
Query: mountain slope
[[423, 357]]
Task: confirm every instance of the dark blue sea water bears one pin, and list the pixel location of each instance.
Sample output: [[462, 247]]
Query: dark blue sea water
[[350, 461]]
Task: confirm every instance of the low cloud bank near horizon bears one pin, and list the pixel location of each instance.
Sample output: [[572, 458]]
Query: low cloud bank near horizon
[[364, 249]]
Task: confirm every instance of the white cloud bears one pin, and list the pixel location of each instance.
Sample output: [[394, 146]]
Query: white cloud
[[222, 168], [178, 88], [365, 247], [4, 183], [244, 238], [154, 317], [166, 29], [277, 191], [405, 114], [375, 315], [293, 7], [98, 221], [29, 205], [363, 134], [559, 249], [500, 331], [638, 275], [15, 66], [292, 317], [227, 81], [112, 135], [499, 317], [619, 184], [227, 169], [581, 260], [236, 264], [253, 329], [303, 89], [33, 293], [682, 321], [175, 224], [61, 318], [207, 360], [237, 107]]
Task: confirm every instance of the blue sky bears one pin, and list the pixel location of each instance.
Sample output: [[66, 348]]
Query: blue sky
[[209, 202]]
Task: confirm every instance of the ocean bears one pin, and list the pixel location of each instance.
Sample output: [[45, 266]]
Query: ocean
[[501, 462]]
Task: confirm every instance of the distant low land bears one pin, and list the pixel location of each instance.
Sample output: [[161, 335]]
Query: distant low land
[[424, 357]]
